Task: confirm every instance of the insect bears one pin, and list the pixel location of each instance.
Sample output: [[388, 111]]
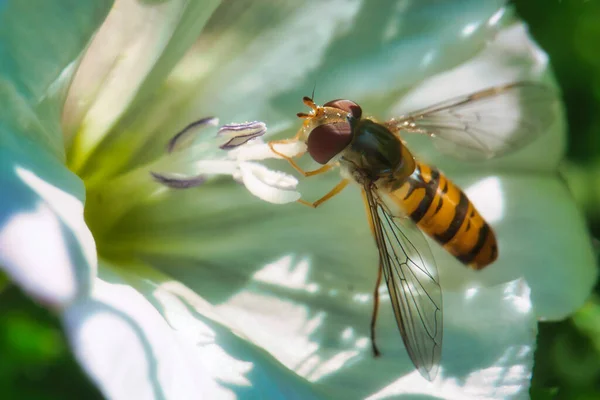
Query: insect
[[405, 197]]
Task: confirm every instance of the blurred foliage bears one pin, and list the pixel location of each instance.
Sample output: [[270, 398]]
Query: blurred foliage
[[35, 362], [569, 31], [567, 361]]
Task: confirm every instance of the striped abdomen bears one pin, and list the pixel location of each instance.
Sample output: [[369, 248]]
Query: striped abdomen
[[445, 213]]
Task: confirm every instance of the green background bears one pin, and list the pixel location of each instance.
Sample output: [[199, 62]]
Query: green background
[[35, 362], [567, 364]]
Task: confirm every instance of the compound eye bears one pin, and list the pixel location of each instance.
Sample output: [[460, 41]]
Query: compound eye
[[327, 140], [346, 105]]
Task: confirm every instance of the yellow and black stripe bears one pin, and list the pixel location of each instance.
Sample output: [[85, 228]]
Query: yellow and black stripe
[[444, 212]]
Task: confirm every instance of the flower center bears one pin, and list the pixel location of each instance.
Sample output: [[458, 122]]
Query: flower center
[[117, 200], [112, 192], [109, 200]]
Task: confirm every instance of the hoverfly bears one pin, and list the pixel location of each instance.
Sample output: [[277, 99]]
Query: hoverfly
[[405, 197]]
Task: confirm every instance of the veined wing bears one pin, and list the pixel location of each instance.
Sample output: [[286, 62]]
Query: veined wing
[[485, 124], [411, 278]]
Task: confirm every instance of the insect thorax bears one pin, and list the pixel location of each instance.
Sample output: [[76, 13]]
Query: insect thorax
[[376, 155]]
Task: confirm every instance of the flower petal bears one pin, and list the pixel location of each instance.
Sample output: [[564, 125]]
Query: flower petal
[[35, 62], [241, 69], [503, 357], [321, 333], [36, 57], [530, 214], [128, 59], [387, 50], [141, 336], [309, 284], [45, 245]]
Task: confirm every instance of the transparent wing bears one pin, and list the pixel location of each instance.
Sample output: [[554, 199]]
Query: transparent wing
[[485, 124], [411, 277]]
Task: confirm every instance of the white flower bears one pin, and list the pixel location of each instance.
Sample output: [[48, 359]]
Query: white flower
[[211, 292]]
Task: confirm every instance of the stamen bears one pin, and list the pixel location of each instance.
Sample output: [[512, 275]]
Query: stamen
[[178, 183], [240, 134], [186, 136], [243, 145]]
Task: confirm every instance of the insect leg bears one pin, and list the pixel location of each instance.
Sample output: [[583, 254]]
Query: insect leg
[[367, 209], [318, 171], [376, 351], [293, 163], [288, 159], [337, 189]]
